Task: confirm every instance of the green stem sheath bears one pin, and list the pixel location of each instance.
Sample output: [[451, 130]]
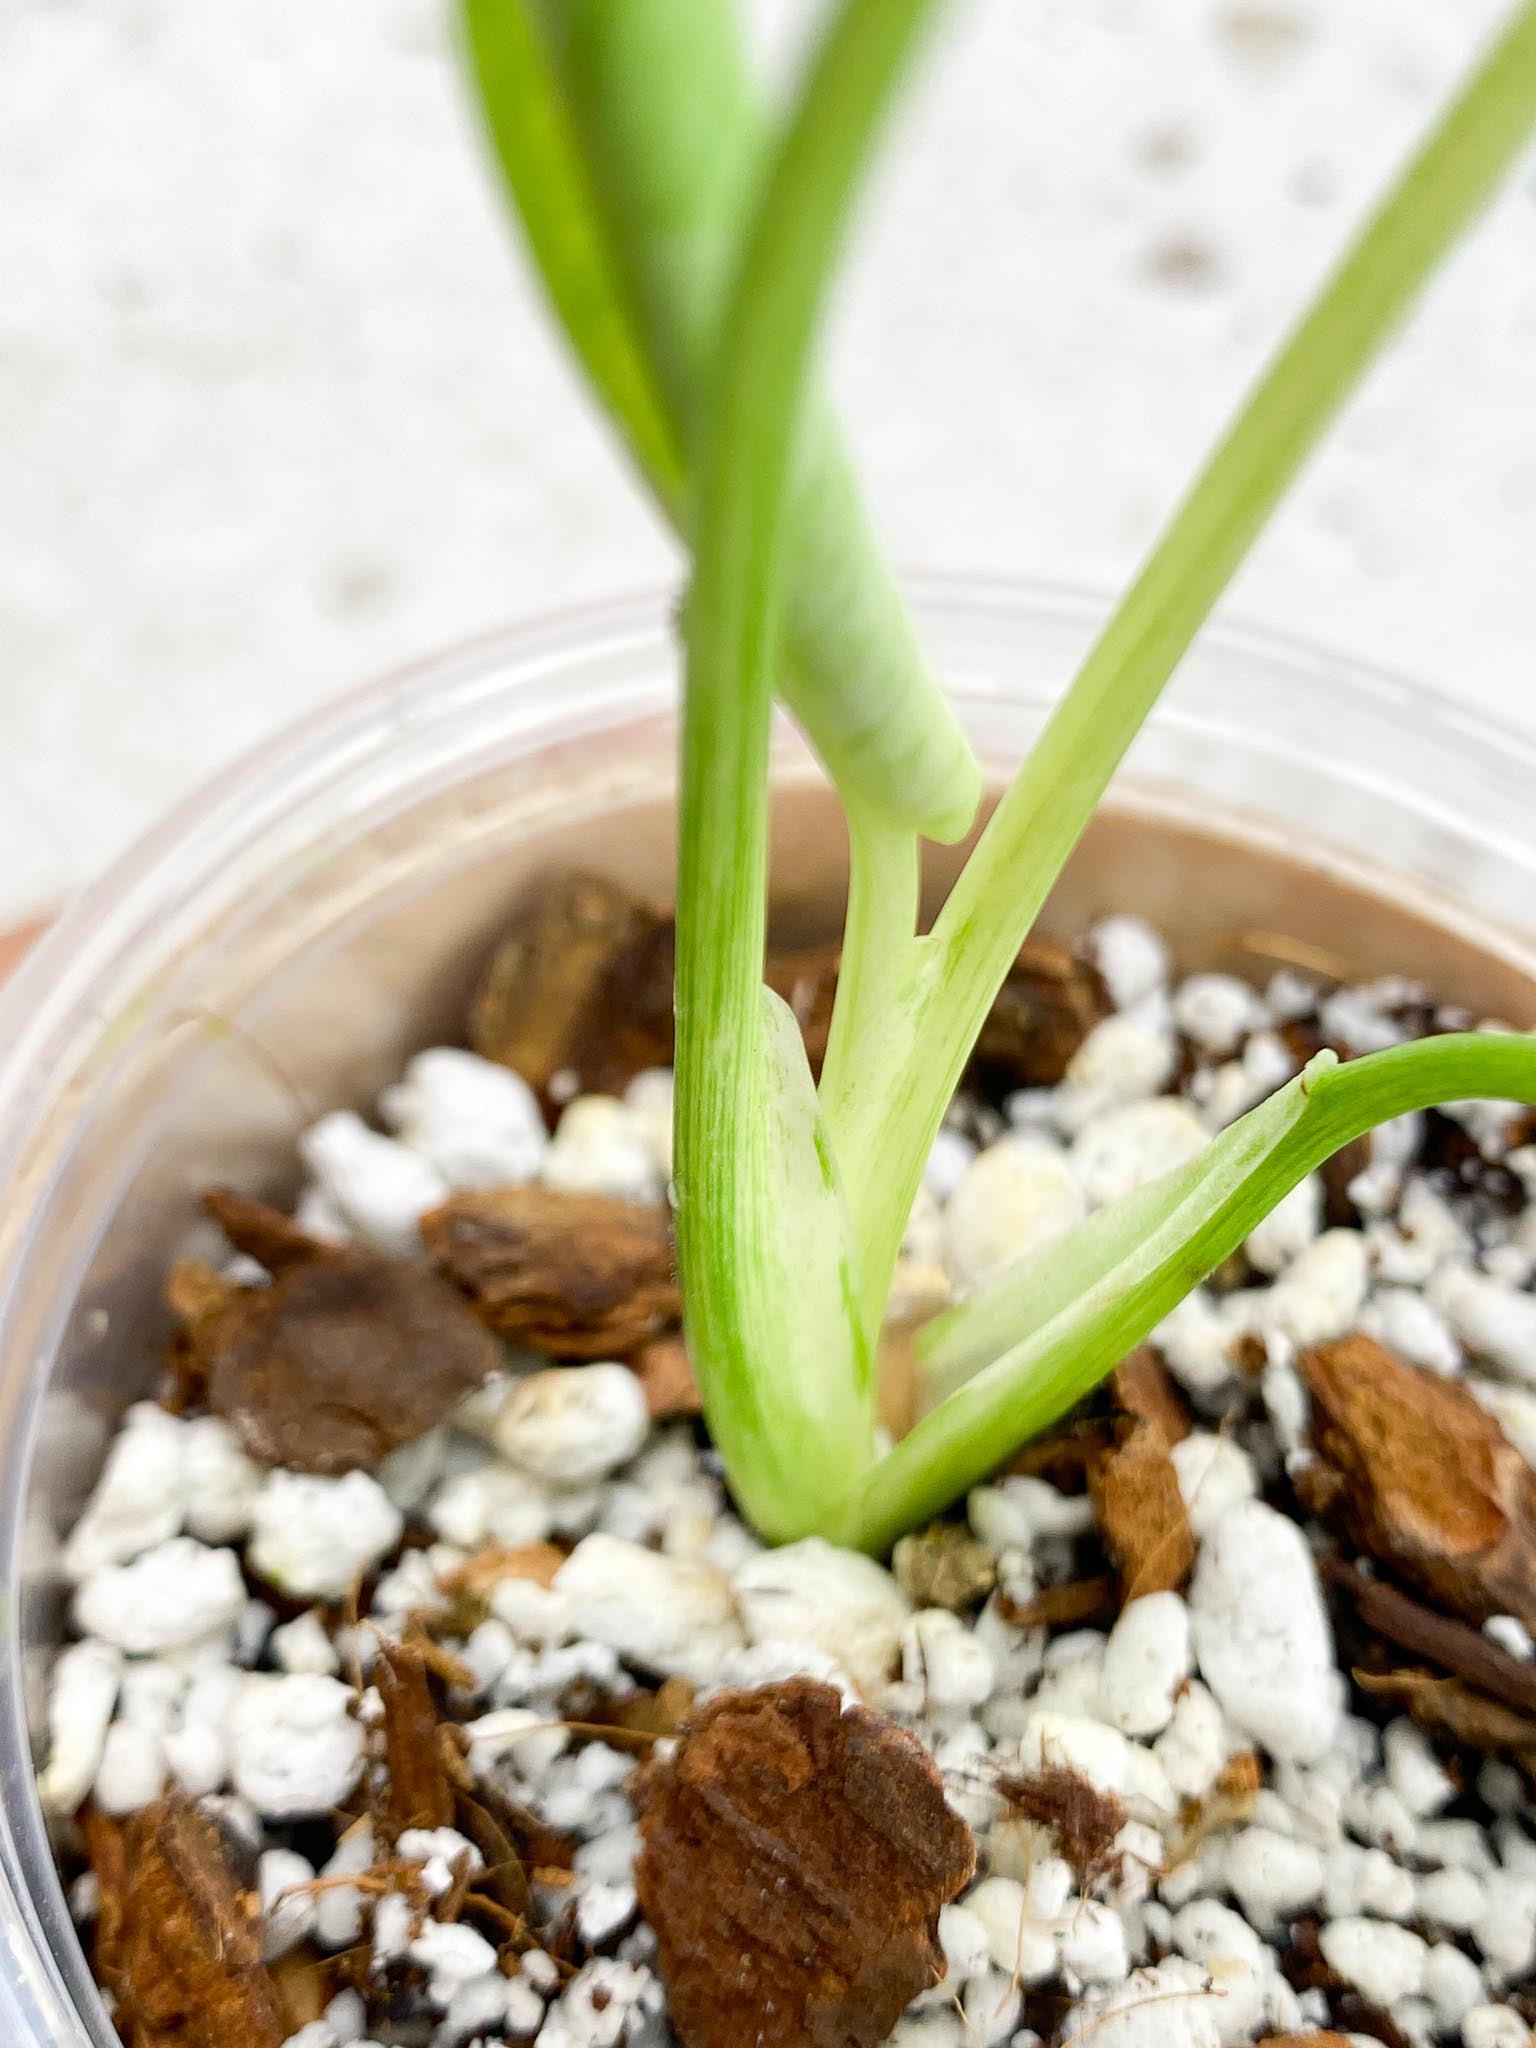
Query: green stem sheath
[[1077, 1311], [793, 1339]]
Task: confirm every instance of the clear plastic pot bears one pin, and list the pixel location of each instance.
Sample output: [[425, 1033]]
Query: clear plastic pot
[[297, 928]]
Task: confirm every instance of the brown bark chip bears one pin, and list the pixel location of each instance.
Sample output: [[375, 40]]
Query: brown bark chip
[[264, 1234], [1043, 1012], [420, 1793], [794, 1861], [665, 1373], [1444, 1706], [1136, 1495], [178, 1944], [1324, 2040], [581, 983], [1430, 1483], [1454, 1646], [1142, 1386], [342, 1359], [578, 1276]]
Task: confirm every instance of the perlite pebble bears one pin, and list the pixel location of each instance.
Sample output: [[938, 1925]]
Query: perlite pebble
[[476, 1122], [82, 1693], [1195, 1342], [132, 1769], [950, 1665], [1414, 1772], [281, 1875], [1273, 1876], [1146, 1661], [176, 1594], [1217, 1011], [140, 1499], [303, 1644], [221, 1481], [1018, 1938], [1452, 1899], [1131, 957], [1494, 2026], [1384, 1963], [1289, 1228], [812, 1592], [1215, 1475], [1194, 1746], [339, 1907], [650, 1098], [294, 1748], [314, 1538], [1237, 1962], [602, 1147], [451, 1956], [1093, 1943], [1510, 1634], [1261, 1633], [1319, 1295], [1124, 1059], [573, 1424], [666, 1614], [1173, 2005], [1414, 1328], [1015, 1199], [1126, 1149], [381, 1189], [1494, 1322], [1453, 1984]]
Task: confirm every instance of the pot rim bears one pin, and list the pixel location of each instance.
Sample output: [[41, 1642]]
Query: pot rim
[[63, 995], [100, 924]]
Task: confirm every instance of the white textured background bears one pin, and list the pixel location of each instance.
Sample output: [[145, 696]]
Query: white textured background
[[278, 407]]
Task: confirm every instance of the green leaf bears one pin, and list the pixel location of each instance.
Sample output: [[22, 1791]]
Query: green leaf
[[541, 160], [633, 140], [892, 1090], [1030, 1345]]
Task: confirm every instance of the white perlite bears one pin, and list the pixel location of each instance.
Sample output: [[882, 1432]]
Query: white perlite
[[1432, 1917], [1146, 1661], [574, 1424], [314, 1538], [668, 1614], [176, 1594], [845, 1605], [294, 1747], [1261, 1633]]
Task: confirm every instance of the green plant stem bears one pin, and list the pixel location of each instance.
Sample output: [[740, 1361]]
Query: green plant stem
[[897, 1074], [541, 160], [635, 221], [1075, 1312], [762, 1239]]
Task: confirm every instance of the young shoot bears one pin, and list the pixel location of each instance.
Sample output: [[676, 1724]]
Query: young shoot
[[688, 241]]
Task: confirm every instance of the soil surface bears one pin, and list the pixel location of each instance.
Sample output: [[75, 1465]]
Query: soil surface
[[425, 1688]]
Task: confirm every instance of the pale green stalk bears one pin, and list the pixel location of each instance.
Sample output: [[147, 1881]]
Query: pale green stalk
[[762, 1240], [654, 101], [541, 159], [1048, 1330], [885, 1096]]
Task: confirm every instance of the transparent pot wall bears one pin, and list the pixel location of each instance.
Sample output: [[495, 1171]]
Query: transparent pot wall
[[295, 932]]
